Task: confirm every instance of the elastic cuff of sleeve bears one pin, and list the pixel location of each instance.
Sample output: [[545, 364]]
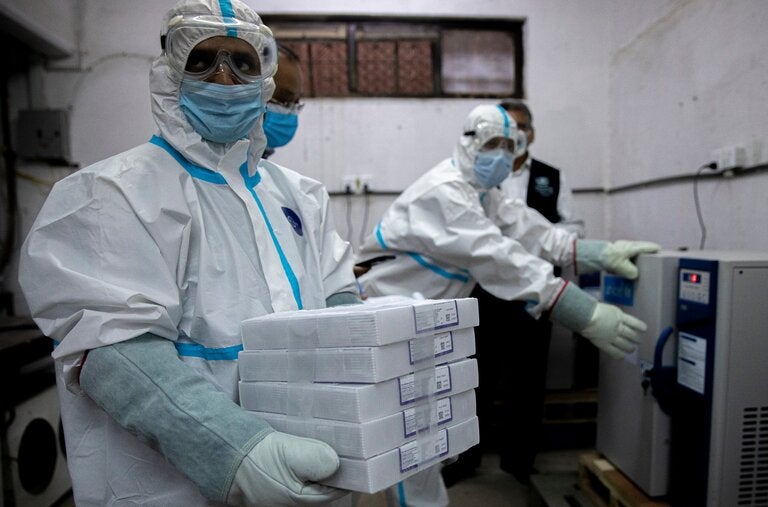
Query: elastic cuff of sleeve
[[588, 253], [342, 298], [574, 308]]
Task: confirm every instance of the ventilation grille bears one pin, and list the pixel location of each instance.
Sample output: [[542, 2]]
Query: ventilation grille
[[753, 468]]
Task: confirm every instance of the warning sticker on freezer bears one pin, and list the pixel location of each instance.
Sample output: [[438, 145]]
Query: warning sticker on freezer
[[691, 361]]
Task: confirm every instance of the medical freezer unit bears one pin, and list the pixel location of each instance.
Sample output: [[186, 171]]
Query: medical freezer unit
[[685, 417]]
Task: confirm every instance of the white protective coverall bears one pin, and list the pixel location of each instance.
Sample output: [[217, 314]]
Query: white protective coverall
[[181, 238], [448, 233]]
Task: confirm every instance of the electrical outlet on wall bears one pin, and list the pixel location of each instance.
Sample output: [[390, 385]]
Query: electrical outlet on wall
[[356, 183], [729, 157], [759, 152], [348, 183], [366, 183]]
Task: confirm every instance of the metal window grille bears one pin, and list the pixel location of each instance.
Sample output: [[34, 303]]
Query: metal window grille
[[401, 57]]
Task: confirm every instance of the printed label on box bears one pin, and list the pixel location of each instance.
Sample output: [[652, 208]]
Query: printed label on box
[[439, 447], [436, 316], [411, 453], [411, 390], [442, 379], [443, 344], [444, 411], [415, 419]]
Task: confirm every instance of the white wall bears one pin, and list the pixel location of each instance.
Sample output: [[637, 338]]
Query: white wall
[[397, 140], [621, 91], [687, 77]]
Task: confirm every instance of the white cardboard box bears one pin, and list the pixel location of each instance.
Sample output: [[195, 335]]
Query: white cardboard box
[[358, 325], [381, 471], [358, 402], [367, 439], [357, 364]]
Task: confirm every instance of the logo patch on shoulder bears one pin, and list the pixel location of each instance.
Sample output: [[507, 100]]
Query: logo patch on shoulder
[[294, 220], [543, 187]]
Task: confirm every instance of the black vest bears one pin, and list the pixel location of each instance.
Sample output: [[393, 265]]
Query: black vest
[[543, 189]]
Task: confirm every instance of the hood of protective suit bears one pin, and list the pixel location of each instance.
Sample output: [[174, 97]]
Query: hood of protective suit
[[165, 84], [486, 122]]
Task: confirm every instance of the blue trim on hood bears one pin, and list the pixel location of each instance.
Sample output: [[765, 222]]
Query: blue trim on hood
[[505, 116], [227, 12]]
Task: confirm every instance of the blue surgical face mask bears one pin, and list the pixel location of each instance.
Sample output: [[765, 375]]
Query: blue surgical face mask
[[221, 113], [491, 167], [279, 127]]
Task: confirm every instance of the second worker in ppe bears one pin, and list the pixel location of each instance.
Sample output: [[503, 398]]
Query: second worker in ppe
[[453, 228], [142, 267], [281, 119]]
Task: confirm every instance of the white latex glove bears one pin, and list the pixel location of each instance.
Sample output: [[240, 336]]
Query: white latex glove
[[613, 331], [283, 469], [616, 256]]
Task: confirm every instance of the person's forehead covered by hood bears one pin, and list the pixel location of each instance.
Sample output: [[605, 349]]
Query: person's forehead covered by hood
[[185, 25], [191, 22], [482, 124]]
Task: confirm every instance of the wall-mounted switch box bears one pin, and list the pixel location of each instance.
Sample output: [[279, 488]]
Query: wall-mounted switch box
[[44, 135]]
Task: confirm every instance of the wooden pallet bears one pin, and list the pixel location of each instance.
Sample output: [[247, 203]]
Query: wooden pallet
[[573, 407], [606, 486]]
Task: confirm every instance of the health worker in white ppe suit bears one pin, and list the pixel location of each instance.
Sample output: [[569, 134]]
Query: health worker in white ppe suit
[[142, 267], [453, 228]]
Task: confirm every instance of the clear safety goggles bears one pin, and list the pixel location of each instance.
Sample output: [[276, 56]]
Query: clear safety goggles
[[202, 63], [490, 136], [256, 60]]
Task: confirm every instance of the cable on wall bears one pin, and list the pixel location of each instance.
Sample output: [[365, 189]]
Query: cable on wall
[[350, 228], [366, 213], [727, 172], [711, 166], [668, 180]]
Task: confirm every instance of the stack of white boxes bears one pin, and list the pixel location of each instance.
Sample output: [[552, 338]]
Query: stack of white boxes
[[388, 384]]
